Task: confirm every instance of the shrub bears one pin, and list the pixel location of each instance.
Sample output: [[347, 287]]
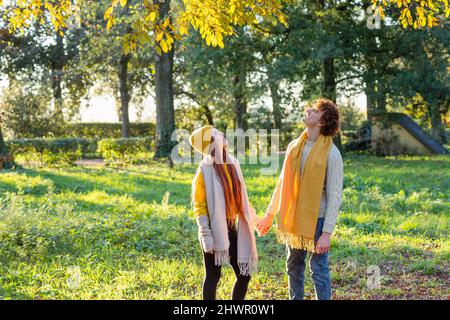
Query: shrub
[[27, 113], [124, 150], [68, 150], [105, 130], [49, 151]]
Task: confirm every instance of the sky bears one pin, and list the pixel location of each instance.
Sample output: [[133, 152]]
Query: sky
[[102, 109]]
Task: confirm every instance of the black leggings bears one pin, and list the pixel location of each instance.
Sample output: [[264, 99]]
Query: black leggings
[[213, 272]]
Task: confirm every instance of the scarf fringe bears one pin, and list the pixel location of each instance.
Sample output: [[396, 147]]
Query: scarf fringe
[[248, 268], [296, 241], [221, 257]]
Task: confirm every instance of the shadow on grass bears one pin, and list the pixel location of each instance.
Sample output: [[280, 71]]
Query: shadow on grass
[[144, 189]]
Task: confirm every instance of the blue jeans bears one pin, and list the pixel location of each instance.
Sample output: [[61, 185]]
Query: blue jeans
[[318, 264]]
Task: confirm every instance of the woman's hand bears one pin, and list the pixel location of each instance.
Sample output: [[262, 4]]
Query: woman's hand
[[208, 244], [264, 225], [256, 223]]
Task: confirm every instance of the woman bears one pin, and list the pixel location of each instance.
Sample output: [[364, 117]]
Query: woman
[[224, 215]]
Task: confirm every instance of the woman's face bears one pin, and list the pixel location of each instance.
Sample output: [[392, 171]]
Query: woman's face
[[219, 138]]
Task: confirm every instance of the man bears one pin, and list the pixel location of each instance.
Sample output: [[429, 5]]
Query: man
[[308, 196]]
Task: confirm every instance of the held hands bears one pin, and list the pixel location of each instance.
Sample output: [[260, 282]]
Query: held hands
[[263, 225]]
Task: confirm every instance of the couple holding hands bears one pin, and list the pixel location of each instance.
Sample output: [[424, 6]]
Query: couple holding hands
[[306, 202]]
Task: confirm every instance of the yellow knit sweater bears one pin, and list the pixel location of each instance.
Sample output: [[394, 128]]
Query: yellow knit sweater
[[200, 205]]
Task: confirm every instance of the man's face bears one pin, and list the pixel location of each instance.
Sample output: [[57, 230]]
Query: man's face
[[312, 117]]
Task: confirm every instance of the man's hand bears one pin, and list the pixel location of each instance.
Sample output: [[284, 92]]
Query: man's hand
[[264, 225], [323, 244], [256, 222]]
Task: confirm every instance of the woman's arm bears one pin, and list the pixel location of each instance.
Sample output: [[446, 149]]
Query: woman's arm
[[199, 195], [201, 212]]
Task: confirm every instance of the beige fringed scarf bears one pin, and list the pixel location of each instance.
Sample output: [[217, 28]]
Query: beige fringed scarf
[[300, 195], [246, 243]]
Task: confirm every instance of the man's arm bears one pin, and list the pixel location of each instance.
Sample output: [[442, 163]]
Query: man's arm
[[334, 186], [274, 205]]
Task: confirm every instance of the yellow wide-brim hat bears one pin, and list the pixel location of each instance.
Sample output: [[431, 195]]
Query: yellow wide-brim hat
[[200, 139]]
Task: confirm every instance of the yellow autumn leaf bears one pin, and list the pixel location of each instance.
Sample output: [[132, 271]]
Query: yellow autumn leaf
[[381, 11], [422, 21], [183, 30], [404, 23], [166, 22], [108, 13], [152, 16], [109, 24], [159, 36], [164, 46], [123, 3], [408, 15], [431, 5], [402, 16], [169, 39]]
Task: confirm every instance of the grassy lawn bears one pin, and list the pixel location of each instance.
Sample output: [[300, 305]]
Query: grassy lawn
[[108, 233]]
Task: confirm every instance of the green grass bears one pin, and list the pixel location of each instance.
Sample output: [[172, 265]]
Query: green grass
[[108, 233]]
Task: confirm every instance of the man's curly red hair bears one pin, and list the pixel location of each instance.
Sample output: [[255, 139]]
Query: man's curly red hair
[[330, 119]]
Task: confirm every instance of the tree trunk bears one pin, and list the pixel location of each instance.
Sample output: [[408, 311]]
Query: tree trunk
[[381, 94], [240, 102], [329, 91], [276, 103], [165, 115], [117, 103], [124, 94], [208, 114], [6, 161], [58, 63], [370, 97], [437, 127], [329, 79]]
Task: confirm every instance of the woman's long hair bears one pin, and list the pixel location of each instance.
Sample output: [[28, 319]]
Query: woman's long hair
[[233, 198]]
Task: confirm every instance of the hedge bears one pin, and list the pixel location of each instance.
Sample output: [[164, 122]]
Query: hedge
[[124, 150], [69, 150], [49, 151], [103, 130]]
